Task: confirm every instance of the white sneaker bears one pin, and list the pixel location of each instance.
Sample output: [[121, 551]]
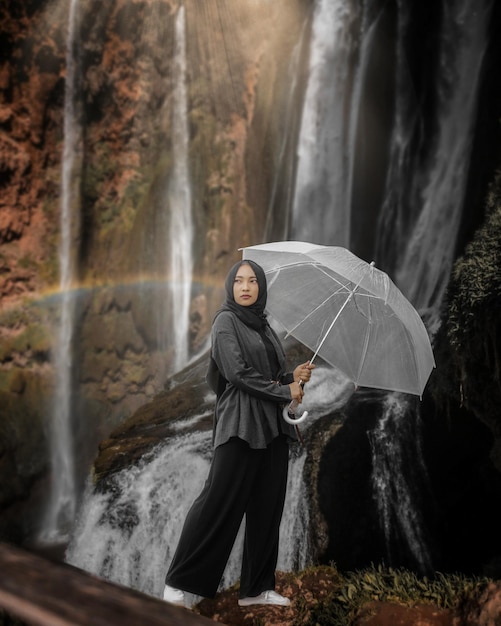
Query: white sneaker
[[174, 596], [267, 597]]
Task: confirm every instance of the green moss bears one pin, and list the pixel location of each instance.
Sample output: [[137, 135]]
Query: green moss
[[14, 317], [476, 277], [7, 379], [119, 214], [35, 338], [27, 262], [28, 334], [137, 373], [99, 169], [48, 271], [134, 194]]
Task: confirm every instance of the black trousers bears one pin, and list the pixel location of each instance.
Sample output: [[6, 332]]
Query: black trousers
[[242, 481]]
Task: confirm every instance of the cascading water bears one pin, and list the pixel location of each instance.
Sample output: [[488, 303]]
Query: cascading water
[[179, 202], [129, 533], [323, 147], [422, 204], [60, 513], [284, 166], [399, 477], [427, 243], [427, 222]]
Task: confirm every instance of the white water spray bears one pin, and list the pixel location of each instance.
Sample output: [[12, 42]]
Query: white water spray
[[320, 211], [284, 166], [129, 534], [366, 43], [398, 474], [60, 512], [179, 195], [426, 258], [425, 264]]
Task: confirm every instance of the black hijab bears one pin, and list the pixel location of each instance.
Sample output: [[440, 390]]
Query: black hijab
[[252, 315]]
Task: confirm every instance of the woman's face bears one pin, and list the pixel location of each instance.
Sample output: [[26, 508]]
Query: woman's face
[[245, 286]]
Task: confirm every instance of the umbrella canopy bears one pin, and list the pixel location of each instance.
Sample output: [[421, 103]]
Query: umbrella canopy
[[348, 312]]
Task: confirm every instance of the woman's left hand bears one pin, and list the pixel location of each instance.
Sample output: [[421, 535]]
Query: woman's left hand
[[303, 372]]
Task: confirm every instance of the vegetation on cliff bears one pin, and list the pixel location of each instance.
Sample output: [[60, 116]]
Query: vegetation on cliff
[[322, 596], [473, 322], [475, 285]]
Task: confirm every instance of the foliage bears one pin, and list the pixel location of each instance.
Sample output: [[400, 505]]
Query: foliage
[[48, 268], [27, 262], [386, 584], [98, 170], [15, 317], [30, 335], [476, 278]]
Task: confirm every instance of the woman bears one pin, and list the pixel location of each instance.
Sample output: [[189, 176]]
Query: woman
[[248, 473]]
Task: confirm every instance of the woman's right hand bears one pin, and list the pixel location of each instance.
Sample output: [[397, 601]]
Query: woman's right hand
[[297, 391]]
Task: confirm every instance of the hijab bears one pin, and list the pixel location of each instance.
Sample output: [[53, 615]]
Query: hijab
[[253, 315]]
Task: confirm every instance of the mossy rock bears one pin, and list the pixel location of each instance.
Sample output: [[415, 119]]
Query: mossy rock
[[13, 380], [23, 443], [473, 323], [150, 425]]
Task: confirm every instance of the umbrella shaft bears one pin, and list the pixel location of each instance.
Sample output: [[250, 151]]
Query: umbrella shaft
[[332, 324], [372, 264]]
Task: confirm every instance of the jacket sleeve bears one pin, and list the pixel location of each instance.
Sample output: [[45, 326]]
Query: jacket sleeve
[[227, 353], [287, 379]]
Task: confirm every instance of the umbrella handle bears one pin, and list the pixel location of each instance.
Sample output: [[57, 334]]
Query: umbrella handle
[[293, 420], [289, 412]]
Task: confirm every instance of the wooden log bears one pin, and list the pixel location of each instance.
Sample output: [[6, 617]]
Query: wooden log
[[43, 592]]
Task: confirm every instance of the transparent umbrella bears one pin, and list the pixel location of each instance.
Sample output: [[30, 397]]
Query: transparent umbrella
[[348, 312]]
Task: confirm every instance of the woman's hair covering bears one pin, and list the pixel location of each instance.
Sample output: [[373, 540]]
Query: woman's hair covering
[[252, 316]]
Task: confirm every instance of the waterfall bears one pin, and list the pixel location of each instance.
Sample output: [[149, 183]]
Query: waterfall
[[427, 232], [129, 534], [179, 203], [320, 211], [284, 166], [428, 237], [399, 477], [355, 134], [60, 512], [422, 201]]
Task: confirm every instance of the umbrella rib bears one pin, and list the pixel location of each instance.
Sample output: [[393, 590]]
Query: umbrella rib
[[274, 272], [337, 316], [331, 325], [312, 312], [366, 339]]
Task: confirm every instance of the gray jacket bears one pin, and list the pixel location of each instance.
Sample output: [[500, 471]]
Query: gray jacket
[[251, 404]]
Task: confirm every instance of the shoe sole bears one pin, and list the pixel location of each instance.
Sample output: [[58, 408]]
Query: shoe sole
[[262, 603]]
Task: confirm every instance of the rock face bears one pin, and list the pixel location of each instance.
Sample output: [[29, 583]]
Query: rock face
[[31, 87], [480, 609]]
